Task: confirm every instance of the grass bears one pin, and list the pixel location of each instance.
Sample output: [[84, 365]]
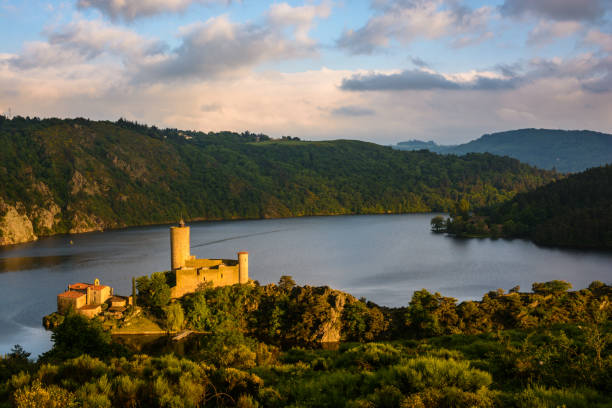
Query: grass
[[139, 324]]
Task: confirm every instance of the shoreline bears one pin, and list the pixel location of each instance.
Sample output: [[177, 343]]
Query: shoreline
[[205, 220]]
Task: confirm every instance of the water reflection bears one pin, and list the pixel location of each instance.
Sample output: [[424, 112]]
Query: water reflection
[[32, 262]]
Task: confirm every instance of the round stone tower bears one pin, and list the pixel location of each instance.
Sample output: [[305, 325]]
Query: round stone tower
[[243, 267], [179, 245]]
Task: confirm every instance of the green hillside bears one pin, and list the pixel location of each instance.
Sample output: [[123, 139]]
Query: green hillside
[[59, 176], [576, 211], [567, 151]]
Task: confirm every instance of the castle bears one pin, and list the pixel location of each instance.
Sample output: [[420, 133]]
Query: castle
[[88, 299], [191, 272]]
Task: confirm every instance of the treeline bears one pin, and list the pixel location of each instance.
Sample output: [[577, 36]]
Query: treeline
[[574, 212], [547, 363], [290, 315], [77, 175]]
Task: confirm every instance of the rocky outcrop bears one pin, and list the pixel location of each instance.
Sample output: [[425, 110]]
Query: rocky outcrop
[[79, 183], [82, 222], [45, 217], [331, 328], [15, 226]]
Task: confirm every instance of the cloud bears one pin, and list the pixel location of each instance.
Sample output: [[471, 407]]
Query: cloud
[[561, 10], [418, 80], [448, 116], [211, 107], [85, 40], [418, 62], [351, 110], [301, 18], [600, 39], [406, 21], [133, 9], [599, 77], [213, 48], [220, 47], [548, 31]]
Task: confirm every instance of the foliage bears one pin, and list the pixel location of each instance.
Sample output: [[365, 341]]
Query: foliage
[[106, 175], [175, 318], [79, 335], [576, 212], [283, 314], [438, 224], [154, 292], [547, 363]]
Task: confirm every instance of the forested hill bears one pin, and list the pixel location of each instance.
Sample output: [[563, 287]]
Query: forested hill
[[565, 150], [60, 176], [576, 211]]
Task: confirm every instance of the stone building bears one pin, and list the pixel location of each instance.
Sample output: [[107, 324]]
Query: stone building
[[84, 298], [191, 272]]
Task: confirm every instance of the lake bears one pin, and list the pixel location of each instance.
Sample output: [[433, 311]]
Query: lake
[[381, 257]]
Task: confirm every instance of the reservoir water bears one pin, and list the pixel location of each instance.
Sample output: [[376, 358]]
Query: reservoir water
[[381, 257]]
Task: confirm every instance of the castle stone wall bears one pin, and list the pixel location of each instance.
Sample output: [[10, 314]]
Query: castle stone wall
[[189, 279], [66, 303]]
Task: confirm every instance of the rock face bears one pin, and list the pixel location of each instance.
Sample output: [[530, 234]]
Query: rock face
[[331, 328], [47, 216], [82, 222], [45, 219], [15, 226], [78, 184]]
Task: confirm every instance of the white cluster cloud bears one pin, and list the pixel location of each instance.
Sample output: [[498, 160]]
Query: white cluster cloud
[[406, 21]]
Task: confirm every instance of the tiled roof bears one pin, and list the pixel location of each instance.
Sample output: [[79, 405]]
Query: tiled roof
[[90, 307], [71, 294], [83, 286]]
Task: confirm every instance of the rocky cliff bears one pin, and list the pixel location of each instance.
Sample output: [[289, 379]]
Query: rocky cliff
[[15, 225]]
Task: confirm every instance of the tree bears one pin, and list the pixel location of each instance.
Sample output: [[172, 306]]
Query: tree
[[17, 360], [175, 318], [286, 283], [551, 287], [199, 314], [438, 224], [79, 335], [431, 314], [154, 292]]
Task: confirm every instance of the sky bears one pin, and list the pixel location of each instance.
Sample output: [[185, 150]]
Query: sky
[[376, 70]]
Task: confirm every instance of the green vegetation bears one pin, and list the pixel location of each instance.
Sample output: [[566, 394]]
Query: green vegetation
[[78, 175], [564, 150], [574, 212], [548, 348]]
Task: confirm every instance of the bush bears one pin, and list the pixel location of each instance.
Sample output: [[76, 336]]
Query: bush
[[39, 396]]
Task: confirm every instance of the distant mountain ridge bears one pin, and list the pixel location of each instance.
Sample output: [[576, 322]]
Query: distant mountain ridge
[[568, 151]]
